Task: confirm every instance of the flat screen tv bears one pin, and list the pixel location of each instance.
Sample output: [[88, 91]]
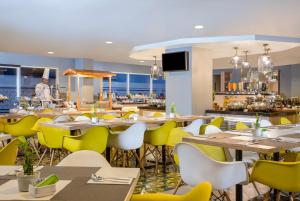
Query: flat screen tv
[[175, 61]]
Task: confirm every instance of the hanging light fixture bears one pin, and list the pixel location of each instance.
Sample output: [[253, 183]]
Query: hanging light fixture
[[265, 65], [245, 69], [155, 70], [236, 60]]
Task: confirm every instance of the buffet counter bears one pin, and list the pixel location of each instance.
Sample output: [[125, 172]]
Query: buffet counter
[[249, 117]]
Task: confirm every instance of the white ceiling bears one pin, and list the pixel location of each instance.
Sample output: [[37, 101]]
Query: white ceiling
[[79, 28]]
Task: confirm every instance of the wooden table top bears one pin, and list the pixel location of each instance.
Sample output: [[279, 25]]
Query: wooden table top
[[121, 122], [275, 140], [77, 189]]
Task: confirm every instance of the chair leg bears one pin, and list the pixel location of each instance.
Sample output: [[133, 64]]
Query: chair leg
[[42, 157], [139, 161], [179, 184], [52, 155], [124, 157], [34, 147], [278, 196], [227, 196]]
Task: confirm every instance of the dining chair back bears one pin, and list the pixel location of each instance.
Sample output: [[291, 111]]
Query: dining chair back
[[8, 154], [265, 123], [132, 138], [196, 167], [241, 126], [22, 127], [62, 118], [108, 116], [82, 118], [283, 176], [84, 158], [127, 114], [285, 121], [94, 139], [194, 127], [210, 129]]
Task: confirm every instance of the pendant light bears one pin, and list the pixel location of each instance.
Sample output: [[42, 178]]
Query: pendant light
[[265, 65], [245, 69], [155, 71], [236, 60]]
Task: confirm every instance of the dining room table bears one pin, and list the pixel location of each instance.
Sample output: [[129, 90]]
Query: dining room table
[[273, 140], [151, 122], [75, 183]]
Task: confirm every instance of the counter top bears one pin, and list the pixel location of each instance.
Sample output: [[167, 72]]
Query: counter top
[[267, 114]]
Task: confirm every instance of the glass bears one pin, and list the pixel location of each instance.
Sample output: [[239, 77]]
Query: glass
[[139, 84], [159, 87], [8, 87], [119, 84], [31, 77]]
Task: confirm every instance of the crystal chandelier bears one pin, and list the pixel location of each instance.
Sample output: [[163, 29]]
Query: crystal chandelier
[[155, 70], [236, 60], [265, 64], [245, 69]]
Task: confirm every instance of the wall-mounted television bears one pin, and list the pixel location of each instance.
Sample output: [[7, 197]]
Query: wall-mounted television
[[175, 61]]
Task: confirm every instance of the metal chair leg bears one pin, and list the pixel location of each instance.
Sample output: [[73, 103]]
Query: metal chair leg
[[42, 157], [179, 184], [52, 155]]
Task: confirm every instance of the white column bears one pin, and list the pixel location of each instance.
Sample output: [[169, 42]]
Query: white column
[[191, 91]]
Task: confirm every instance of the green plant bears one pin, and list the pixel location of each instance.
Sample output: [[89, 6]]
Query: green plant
[[28, 156], [257, 122], [173, 108]]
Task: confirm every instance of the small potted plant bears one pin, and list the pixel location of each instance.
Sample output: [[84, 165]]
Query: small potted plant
[[172, 110], [25, 178], [257, 129]]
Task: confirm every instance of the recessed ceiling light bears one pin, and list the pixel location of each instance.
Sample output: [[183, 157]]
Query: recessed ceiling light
[[108, 42], [199, 26], [142, 61], [50, 52]]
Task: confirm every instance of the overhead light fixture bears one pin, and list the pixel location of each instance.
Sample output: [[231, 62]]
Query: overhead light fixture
[[199, 26], [265, 64], [155, 71], [50, 52], [142, 61], [236, 60], [108, 42], [245, 69]]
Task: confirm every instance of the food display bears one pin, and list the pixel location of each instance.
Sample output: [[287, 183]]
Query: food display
[[3, 98]]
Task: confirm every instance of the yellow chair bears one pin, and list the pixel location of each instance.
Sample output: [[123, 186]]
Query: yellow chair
[[284, 176], [94, 139], [127, 114], [218, 121], [201, 192], [241, 126], [8, 154], [22, 127], [52, 139], [157, 114], [158, 137], [285, 121], [89, 115], [36, 128], [107, 116], [47, 110]]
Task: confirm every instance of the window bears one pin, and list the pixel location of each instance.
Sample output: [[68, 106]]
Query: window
[[32, 76], [159, 87], [139, 84], [8, 87], [119, 84]]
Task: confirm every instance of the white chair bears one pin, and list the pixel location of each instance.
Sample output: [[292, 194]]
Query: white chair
[[265, 123], [210, 129], [82, 118], [194, 127], [129, 140], [195, 167], [84, 158], [62, 118]]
